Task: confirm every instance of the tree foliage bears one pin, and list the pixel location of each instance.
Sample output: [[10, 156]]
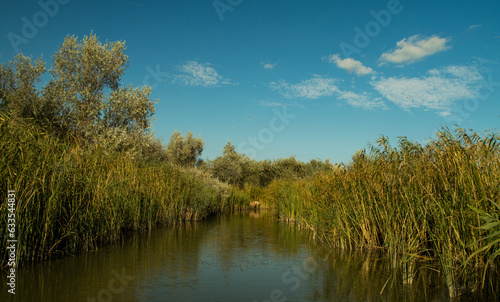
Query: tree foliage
[[240, 170], [184, 151], [84, 97], [18, 94], [228, 167], [85, 86]]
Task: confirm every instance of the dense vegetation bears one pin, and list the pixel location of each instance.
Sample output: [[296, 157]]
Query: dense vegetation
[[81, 156], [71, 199], [436, 202]]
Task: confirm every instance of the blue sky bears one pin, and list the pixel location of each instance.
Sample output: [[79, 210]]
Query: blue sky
[[314, 79]]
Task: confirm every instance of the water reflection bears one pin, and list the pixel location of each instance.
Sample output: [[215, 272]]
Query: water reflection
[[236, 257]]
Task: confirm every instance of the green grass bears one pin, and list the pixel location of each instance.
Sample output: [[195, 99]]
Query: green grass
[[436, 202], [70, 199]]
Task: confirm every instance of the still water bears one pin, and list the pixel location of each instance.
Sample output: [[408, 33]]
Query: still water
[[245, 256]]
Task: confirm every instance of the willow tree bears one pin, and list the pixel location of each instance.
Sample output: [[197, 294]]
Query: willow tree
[[86, 85], [184, 151], [83, 97], [18, 94], [228, 167]]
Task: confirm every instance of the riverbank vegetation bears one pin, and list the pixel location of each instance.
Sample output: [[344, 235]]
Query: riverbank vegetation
[[436, 202], [81, 156], [79, 153], [71, 199]]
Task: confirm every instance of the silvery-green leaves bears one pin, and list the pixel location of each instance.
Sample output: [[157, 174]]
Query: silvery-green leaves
[[83, 98]]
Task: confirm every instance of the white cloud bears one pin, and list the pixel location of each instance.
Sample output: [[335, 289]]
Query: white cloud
[[413, 49], [363, 100], [271, 104], [439, 90], [310, 89], [323, 87], [475, 26], [196, 74], [279, 104], [350, 65], [444, 113], [270, 66]]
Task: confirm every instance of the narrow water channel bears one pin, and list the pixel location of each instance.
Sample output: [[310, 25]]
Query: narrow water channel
[[245, 256]]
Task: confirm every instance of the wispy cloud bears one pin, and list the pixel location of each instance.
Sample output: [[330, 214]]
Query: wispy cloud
[[279, 104], [193, 73], [317, 87], [350, 65], [269, 65], [310, 89], [363, 100], [414, 48], [438, 90], [475, 26]]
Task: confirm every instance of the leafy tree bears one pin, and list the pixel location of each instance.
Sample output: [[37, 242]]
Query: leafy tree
[[250, 170], [267, 172], [85, 85], [228, 167], [184, 151], [289, 168], [84, 97], [18, 94], [315, 166]]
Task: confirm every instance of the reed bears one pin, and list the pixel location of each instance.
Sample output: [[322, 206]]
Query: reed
[[239, 198], [436, 202], [72, 199]]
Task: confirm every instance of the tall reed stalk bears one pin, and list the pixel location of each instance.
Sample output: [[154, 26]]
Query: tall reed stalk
[[71, 199], [434, 202]]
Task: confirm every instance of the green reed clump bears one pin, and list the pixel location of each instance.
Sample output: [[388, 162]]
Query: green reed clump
[[238, 198], [71, 199], [292, 196], [414, 201]]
